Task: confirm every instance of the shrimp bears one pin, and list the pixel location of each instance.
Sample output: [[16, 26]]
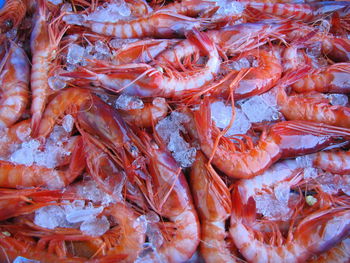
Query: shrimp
[[312, 107], [160, 24], [170, 197], [213, 203], [332, 161], [12, 14], [142, 80], [66, 101], [333, 78], [148, 116], [15, 86], [313, 235], [44, 42], [283, 140], [19, 175], [337, 254], [305, 12]]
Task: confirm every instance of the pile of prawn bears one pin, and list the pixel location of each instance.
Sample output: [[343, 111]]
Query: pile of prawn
[[105, 88]]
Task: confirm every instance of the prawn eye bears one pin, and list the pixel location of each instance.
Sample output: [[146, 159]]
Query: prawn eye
[[8, 24]]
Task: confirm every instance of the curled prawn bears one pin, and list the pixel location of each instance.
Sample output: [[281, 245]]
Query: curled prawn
[[15, 86], [169, 195], [18, 175], [283, 140], [312, 235], [213, 203], [44, 42], [144, 80], [66, 101]]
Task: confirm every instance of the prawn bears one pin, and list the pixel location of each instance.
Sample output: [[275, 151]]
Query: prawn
[[66, 101], [305, 12], [148, 116], [333, 79], [213, 203], [169, 195], [313, 235], [143, 80], [312, 107], [12, 14], [160, 24], [18, 175], [15, 86], [192, 8], [283, 140], [44, 42]]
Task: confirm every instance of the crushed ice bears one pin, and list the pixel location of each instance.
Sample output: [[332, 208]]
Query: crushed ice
[[126, 102], [30, 152], [170, 130], [111, 12], [338, 99]]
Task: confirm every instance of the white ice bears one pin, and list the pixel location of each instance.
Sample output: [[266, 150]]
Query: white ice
[[228, 8], [338, 99], [111, 12], [25, 260], [68, 122], [95, 226], [271, 208], [55, 2], [50, 217], [170, 129], [259, 109], [89, 190], [221, 114], [75, 54], [126, 102]]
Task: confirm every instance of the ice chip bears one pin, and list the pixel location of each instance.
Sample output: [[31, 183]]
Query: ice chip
[[338, 99], [281, 191], [74, 19], [95, 226], [24, 260], [75, 54], [55, 2], [126, 102], [57, 82], [68, 122], [49, 216]]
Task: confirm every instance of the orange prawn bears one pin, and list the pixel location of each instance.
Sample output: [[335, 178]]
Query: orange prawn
[[15, 86], [169, 195], [66, 101], [213, 203], [43, 43], [283, 140], [312, 107], [160, 24], [144, 80], [333, 161], [312, 235]]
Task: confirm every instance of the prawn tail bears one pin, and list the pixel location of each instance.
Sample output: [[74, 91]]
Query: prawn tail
[[243, 211]]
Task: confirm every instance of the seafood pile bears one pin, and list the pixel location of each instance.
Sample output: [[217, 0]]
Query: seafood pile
[[188, 131]]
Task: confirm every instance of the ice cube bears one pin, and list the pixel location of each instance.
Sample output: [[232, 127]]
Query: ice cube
[[75, 54], [258, 110], [95, 226], [74, 19], [229, 8], [49, 216], [56, 2], [338, 99], [25, 260], [281, 191], [68, 122], [57, 82], [126, 102], [239, 64], [82, 214]]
